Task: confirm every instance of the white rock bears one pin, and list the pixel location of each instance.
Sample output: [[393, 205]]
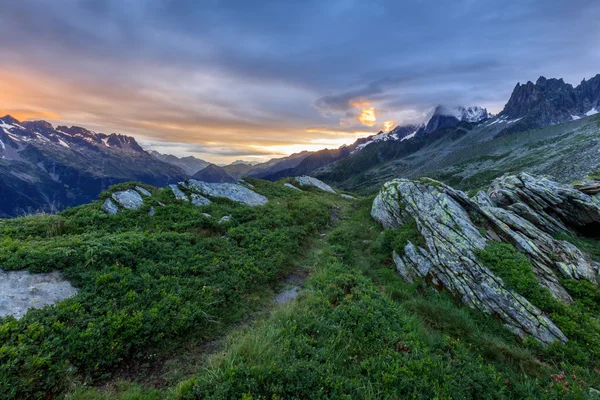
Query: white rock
[[179, 195], [129, 199], [109, 207], [143, 191], [198, 200], [232, 191], [21, 290], [226, 218], [347, 196], [314, 182]]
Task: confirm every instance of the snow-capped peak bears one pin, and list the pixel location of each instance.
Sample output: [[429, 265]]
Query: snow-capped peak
[[473, 114]]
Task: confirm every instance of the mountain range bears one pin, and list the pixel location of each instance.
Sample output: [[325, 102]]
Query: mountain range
[[43, 168]]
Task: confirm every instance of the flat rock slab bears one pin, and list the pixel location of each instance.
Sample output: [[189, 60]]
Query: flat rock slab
[[143, 191], [129, 199], [347, 196], [198, 200], [314, 182], [22, 290], [179, 195], [231, 191]]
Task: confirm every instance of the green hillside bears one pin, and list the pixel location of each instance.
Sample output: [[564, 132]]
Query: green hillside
[[179, 306]]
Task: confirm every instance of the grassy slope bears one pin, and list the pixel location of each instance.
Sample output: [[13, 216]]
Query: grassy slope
[[358, 331], [145, 282]]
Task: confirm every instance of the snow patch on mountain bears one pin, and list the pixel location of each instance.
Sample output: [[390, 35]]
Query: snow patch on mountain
[[5, 126], [593, 111]]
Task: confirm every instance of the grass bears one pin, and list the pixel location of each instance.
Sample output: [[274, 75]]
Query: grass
[[356, 331], [145, 283]]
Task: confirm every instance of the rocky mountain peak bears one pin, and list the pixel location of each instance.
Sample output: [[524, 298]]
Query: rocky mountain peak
[[124, 142], [550, 101], [445, 116], [8, 119]]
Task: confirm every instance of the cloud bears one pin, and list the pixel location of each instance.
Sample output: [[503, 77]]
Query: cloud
[[248, 76]]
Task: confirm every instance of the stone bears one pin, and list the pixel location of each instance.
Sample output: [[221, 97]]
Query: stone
[[232, 191], [198, 200], [207, 215], [314, 182], [110, 207], [152, 212], [143, 191], [549, 257], [22, 290], [129, 199], [289, 185], [448, 259], [224, 219], [347, 196], [179, 195], [552, 207]]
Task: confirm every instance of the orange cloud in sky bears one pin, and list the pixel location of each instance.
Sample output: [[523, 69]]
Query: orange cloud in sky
[[388, 125], [368, 116], [360, 103]]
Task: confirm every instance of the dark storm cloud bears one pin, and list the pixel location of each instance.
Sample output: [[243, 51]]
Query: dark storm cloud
[[265, 71]]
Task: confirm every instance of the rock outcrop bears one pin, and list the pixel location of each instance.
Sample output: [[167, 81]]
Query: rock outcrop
[[551, 206], [454, 227], [129, 199], [110, 207], [198, 200], [179, 195], [232, 191], [314, 182]]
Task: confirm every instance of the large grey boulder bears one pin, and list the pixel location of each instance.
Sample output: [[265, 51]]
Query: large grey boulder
[[110, 207], [448, 259], [314, 182], [232, 191], [551, 206], [129, 199]]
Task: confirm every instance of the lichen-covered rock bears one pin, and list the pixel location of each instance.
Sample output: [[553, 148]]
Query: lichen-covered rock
[[143, 191], [549, 257], [314, 182], [289, 185], [232, 191], [448, 259], [129, 199], [552, 207], [109, 207], [179, 195], [198, 200]]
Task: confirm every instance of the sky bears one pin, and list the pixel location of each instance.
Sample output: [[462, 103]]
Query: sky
[[252, 80]]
